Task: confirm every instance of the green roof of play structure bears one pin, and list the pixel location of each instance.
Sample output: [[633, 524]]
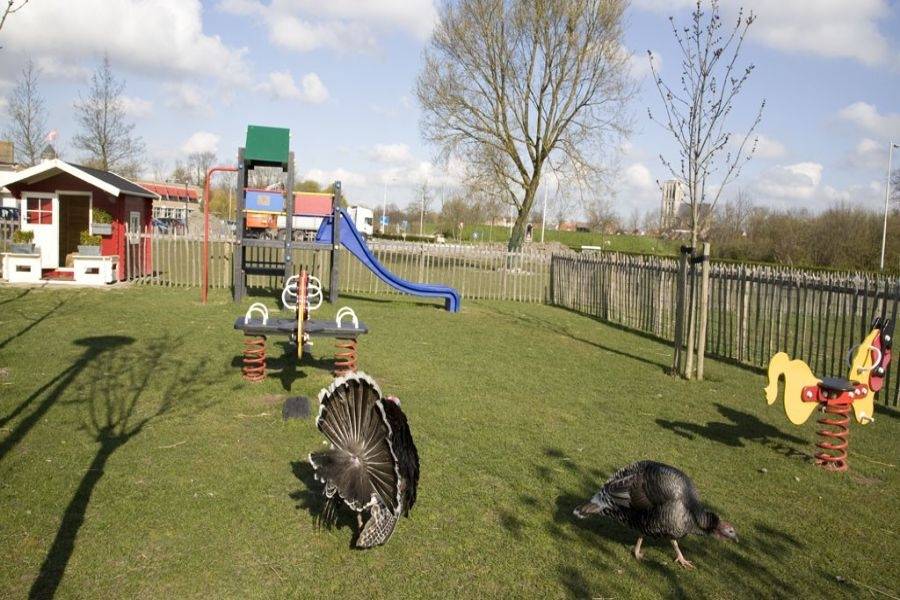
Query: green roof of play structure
[[268, 146]]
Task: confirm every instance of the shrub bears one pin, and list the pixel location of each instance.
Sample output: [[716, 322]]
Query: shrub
[[100, 216], [22, 237], [87, 239]]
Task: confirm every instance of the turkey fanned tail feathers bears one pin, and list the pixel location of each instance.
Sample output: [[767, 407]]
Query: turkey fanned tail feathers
[[371, 462]]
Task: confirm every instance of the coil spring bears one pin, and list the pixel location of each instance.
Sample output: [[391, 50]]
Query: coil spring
[[254, 368], [345, 359], [835, 431]]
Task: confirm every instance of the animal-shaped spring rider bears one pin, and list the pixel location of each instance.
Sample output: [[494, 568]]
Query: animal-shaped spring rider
[[835, 396], [302, 294]]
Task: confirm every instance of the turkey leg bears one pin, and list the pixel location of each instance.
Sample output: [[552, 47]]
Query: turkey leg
[[679, 557], [637, 549]]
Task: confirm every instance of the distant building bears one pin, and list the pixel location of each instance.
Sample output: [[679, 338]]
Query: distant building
[[176, 201], [673, 199], [567, 226], [7, 165]]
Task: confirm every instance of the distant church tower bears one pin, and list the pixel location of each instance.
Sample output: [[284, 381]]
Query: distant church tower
[[672, 199]]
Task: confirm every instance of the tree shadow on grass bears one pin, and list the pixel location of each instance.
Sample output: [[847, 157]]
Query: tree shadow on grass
[[741, 427], [115, 397], [605, 545], [94, 347], [562, 331], [32, 323], [21, 295]]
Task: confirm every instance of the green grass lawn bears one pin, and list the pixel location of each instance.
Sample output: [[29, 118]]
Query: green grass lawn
[[643, 244], [135, 462]]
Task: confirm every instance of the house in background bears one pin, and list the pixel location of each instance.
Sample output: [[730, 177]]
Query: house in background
[[176, 202], [7, 165], [56, 199]]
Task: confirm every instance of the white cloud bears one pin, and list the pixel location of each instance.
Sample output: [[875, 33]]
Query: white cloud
[[391, 154], [136, 107], [799, 181], [869, 154], [638, 176], [867, 118], [829, 28], [159, 37], [306, 25], [187, 97], [54, 68], [327, 177], [281, 85], [639, 64], [768, 148], [201, 141]]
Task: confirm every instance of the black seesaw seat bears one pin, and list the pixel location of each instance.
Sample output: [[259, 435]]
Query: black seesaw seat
[[277, 326]]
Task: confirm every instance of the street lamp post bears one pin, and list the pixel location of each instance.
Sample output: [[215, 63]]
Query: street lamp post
[[384, 207], [887, 200]]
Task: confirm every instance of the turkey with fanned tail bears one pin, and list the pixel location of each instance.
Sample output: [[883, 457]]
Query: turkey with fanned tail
[[371, 462], [657, 500]]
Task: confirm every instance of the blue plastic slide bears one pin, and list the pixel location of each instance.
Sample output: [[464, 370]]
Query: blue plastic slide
[[354, 242]]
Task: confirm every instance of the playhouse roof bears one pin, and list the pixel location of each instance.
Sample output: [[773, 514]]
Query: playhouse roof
[[113, 184]]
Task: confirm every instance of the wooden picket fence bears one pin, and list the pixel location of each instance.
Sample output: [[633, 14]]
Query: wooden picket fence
[[173, 260], [754, 311], [7, 228]]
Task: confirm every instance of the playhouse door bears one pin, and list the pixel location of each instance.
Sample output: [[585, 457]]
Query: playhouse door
[[40, 214], [74, 217]]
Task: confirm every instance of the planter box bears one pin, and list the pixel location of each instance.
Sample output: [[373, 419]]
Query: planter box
[[101, 228], [95, 270], [89, 250], [22, 268], [23, 248]]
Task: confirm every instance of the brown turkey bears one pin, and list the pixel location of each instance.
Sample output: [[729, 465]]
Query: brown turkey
[[658, 501]]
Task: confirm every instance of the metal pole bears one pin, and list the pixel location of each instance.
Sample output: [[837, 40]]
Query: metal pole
[[544, 214], [205, 289], [384, 207], [887, 200], [422, 215]]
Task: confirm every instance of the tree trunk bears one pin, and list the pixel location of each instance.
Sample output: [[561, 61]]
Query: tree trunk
[[692, 307], [517, 235]]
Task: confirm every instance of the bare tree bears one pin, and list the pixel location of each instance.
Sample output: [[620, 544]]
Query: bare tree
[[198, 163], [634, 220], [28, 116], [106, 135], [601, 215], [698, 108], [895, 185], [518, 85], [697, 111], [11, 8], [425, 201]]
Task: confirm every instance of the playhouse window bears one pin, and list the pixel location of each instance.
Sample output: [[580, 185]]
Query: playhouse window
[[39, 211]]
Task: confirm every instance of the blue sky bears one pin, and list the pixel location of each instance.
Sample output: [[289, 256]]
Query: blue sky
[[341, 75]]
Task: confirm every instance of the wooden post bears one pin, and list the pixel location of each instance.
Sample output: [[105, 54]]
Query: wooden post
[[704, 309], [680, 310]]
